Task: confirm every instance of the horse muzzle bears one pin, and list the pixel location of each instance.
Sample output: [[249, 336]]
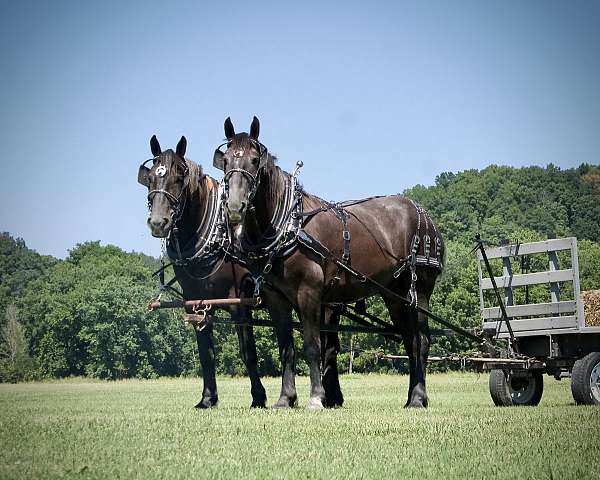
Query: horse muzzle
[[159, 226], [236, 215]]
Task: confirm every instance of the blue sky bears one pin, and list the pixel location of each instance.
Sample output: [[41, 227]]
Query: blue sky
[[374, 97]]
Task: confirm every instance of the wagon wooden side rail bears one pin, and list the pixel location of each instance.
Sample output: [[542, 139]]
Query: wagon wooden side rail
[[553, 331]]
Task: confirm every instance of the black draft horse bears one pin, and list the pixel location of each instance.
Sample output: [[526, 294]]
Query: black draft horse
[[393, 241], [181, 195]]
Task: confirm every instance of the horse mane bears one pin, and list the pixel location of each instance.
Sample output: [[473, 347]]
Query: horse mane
[[195, 175]]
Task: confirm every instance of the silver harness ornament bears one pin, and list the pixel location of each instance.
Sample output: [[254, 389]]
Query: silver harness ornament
[[415, 260]]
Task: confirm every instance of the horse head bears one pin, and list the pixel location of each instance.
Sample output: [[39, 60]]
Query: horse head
[[167, 181], [242, 163]]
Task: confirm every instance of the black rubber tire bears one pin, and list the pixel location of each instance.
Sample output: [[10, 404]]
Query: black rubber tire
[[585, 371], [509, 390]]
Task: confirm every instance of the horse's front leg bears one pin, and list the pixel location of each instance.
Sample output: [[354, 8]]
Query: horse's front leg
[[206, 353], [309, 309], [280, 312], [248, 352]]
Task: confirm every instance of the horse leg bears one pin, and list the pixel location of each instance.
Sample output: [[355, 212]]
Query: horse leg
[[309, 309], [206, 352], [331, 347], [414, 328], [248, 352], [281, 317]]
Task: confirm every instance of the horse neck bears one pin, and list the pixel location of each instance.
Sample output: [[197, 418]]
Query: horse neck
[[270, 192], [196, 209]]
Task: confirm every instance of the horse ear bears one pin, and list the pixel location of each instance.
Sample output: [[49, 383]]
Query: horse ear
[[181, 147], [143, 175], [255, 128], [229, 131], [155, 146]]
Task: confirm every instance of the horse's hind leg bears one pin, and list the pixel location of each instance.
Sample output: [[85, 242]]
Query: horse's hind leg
[[330, 348], [248, 352], [206, 352], [309, 309], [414, 328]]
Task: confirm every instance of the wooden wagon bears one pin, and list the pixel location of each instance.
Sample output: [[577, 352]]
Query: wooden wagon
[[546, 337]]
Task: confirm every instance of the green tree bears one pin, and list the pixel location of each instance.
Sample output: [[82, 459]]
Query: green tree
[[88, 316], [15, 362], [19, 265]]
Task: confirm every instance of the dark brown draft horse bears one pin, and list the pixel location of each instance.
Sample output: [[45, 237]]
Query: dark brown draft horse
[[393, 242], [182, 210]]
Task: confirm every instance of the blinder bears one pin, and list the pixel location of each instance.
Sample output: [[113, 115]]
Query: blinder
[[143, 173], [219, 158]]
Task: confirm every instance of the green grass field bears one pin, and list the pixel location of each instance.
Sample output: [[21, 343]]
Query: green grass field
[[147, 429]]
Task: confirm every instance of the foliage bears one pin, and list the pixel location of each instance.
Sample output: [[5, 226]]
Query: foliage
[[589, 264], [15, 362], [18, 266], [501, 201], [88, 316]]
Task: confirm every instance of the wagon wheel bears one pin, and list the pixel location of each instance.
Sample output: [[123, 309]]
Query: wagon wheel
[[508, 389], [585, 380]]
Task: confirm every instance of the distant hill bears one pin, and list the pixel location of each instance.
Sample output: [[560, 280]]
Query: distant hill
[[501, 202]]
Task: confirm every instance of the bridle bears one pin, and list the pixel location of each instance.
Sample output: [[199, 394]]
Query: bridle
[[175, 202], [254, 179]]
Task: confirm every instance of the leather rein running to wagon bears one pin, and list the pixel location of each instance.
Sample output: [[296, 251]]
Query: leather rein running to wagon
[[302, 238]]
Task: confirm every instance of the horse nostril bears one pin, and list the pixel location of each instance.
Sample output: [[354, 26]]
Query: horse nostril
[[243, 207], [158, 222]]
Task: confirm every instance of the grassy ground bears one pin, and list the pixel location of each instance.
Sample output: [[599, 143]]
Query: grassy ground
[[147, 429]]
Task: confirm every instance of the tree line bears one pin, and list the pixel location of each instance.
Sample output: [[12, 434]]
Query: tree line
[[87, 314]]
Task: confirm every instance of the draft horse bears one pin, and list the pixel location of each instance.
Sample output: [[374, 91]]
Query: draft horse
[[394, 245], [184, 208]]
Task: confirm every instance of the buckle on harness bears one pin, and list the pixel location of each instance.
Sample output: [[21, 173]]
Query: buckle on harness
[[257, 284], [346, 235]]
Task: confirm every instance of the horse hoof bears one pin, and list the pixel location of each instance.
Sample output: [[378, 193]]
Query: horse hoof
[[336, 402], [259, 403], [416, 404], [315, 403], [284, 402], [207, 403]]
